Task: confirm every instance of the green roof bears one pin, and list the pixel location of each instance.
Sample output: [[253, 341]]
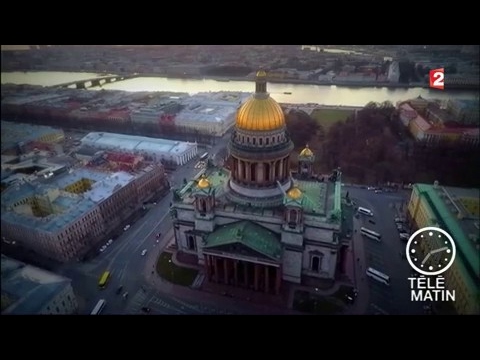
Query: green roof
[[253, 236], [314, 196], [466, 251]]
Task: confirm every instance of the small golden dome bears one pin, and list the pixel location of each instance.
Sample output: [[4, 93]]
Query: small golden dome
[[203, 183], [306, 152], [261, 73], [294, 193], [260, 114]]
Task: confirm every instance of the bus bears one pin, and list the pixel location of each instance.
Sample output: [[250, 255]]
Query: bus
[[104, 279], [370, 234], [377, 275], [365, 211], [99, 307], [204, 157]]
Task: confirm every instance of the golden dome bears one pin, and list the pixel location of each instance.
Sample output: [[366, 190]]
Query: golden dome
[[260, 114], [261, 73], [294, 193], [203, 183], [306, 152]]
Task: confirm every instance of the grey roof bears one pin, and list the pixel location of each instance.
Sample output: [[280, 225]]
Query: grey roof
[[26, 289]]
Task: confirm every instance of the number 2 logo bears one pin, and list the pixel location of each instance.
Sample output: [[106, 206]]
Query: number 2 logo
[[437, 77]]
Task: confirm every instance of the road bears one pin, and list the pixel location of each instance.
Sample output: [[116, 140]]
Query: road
[[124, 260], [385, 255]]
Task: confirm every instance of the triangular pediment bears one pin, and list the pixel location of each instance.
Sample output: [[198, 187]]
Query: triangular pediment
[[245, 238]]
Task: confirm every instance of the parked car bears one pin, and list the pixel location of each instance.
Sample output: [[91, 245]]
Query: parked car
[[371, 222], [144, 251], [126, 227]]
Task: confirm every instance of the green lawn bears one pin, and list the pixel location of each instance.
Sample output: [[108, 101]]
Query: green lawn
[[319, 305], [328, 117], [173, 273]]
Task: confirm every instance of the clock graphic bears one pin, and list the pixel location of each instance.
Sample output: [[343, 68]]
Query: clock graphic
[[439, 256]]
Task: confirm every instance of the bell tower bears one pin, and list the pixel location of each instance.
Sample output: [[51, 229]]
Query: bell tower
[[306, 158]]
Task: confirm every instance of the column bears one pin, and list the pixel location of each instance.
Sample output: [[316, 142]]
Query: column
[[266, 280], [215, 266], [239, 169], [245, 273], [225, 271], [278, 279], [282, 175], [248, 170], [257, 273], [235, 271]]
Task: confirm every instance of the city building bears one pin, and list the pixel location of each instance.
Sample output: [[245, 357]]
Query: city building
[[251, 223], [437, 124], [63, 217], [455, 210], [464, 111], [28, 290], [210, 113], [16, 135], [151, 148]]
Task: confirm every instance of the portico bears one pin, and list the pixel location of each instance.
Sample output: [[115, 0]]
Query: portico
[[244, 254], [249, 274]]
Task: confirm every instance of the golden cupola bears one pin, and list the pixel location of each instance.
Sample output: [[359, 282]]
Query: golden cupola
[[203, 183], [306, 152], [260, 112]]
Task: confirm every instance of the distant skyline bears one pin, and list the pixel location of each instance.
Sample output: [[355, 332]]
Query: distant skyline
[[15, 47]]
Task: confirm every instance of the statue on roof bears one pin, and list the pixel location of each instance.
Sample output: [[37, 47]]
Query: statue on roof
[[176, 195]]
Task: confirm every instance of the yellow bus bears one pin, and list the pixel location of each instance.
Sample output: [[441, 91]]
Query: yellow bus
[[104, 279]]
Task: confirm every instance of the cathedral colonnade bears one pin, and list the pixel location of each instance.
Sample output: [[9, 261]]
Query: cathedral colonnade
[[260, 172], [243, 273]]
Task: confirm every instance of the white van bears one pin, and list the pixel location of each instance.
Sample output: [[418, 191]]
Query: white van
[[364, 211]]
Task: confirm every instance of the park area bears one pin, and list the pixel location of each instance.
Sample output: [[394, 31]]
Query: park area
[[173, 273], [328, 116]]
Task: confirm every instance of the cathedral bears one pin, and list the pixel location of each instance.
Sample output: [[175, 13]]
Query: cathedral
[[254, 223]]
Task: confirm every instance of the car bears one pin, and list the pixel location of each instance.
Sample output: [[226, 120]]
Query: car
[[146, 309], [378, 191], [109, 242], [371, 222], [157, 241], [103, 248], [144, 251], [159, 234], [399, 220], [126, 228], [119, 290], [125, 294]]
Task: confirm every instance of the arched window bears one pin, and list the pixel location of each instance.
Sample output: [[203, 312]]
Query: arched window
[[203, 206], [316, 262], [190, 242]]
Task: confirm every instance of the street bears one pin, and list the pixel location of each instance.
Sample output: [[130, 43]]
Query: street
[[385, 255], [126, 264]]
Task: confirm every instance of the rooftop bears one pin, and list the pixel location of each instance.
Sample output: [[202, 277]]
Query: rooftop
[[252, 235], [68, 206], [14, 133], [27, 289], [131, 143], [457, 210]]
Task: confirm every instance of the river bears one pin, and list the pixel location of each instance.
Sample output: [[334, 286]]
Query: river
[[298, 93]]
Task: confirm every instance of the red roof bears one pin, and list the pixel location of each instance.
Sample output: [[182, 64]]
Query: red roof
[[121, 157]]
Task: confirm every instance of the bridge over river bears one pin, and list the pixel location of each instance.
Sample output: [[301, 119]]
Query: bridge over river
[[98, 81]]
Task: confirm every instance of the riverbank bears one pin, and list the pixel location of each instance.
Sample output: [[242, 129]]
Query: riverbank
[[342, 83]]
